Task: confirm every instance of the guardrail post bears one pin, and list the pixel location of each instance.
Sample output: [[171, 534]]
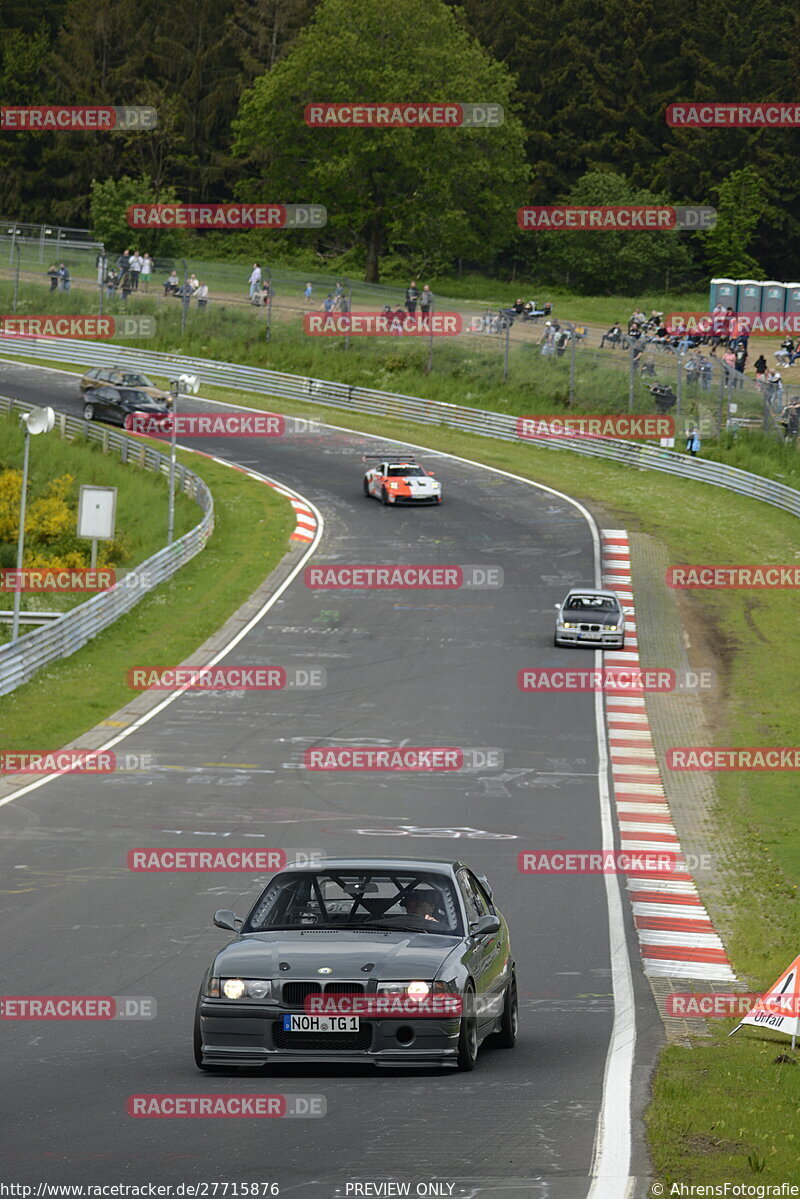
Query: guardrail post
[[721, 403]]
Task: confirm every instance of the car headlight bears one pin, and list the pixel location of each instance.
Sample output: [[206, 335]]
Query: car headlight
[[611, 628], [245, 988], [414, 989], [394, 486], [564, 624]]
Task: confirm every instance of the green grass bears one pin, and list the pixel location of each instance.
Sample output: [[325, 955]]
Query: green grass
[[141, 514], [251, 533]]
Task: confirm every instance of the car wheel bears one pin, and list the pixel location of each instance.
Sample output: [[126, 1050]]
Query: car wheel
[[509, 1023], [384, 496], [556, 641], [468, 1033], [366, 489], [88, 411]]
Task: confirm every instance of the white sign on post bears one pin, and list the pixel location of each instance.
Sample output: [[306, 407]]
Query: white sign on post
[[97, 513], [97, 510]]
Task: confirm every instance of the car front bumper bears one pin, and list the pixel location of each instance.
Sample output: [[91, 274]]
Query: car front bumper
[[252, 1035], [598, 640]]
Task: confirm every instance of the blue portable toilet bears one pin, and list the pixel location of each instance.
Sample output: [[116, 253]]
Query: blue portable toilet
[[773, 296], [724, 292], [749, 296], [792, 297]]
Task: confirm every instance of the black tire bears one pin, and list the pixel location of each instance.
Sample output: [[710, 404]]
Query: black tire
[[366, 489], [556, 642], [88, 411], [509, 1023], [468, 1033], [384, 496]]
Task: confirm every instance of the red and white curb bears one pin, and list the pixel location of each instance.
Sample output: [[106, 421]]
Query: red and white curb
[[676, 935], [306, 525]]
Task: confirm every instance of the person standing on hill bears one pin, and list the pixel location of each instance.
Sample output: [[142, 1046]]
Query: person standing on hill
[[255, 281]]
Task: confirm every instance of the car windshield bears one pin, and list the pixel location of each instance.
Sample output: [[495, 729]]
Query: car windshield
[[596, 603], [139, 399], [404, 471], [136, 381], [416, 901]]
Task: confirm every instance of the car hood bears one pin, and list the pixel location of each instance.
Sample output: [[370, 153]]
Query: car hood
[[575, 616], [146, 404], [390, 955]]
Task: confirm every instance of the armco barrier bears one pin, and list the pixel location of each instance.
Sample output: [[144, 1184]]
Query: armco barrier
[[20, 659], [384, 403]]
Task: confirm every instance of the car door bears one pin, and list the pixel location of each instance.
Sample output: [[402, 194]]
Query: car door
[[497, 951], [99, 399], [478, 956]]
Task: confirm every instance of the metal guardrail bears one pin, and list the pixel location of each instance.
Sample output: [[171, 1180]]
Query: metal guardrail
[[480, 421], [20, 659]]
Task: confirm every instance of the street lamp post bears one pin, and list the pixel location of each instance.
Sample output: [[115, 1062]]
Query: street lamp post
[[38, 420], [185, 295], [18, 248], [269, 303], [186, 385]]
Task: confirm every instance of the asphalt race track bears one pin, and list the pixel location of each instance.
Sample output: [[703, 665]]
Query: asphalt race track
[[403, 667]]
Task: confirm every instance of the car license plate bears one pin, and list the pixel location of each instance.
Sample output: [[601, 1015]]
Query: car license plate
[[320, 1023]]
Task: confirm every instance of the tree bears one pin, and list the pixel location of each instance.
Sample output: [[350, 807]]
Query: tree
[[740, 207], [424, 193], [607, 262], [110, 200]]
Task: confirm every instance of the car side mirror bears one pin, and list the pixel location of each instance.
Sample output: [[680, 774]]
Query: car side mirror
[[556, 605], [227, 919], [484, 926]]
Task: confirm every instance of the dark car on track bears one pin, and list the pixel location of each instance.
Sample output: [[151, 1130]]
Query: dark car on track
[[118, 376], [118, 405], [590, 616], [415, 947]]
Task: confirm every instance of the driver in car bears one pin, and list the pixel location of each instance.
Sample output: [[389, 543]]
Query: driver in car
[[422, 904]]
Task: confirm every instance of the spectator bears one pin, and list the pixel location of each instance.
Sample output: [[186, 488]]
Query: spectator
[[785, 352], [63, 277], [136, 267], [111, 283], [613, 336], [773, 387], [548, 340], [740, 360], [637, 318], [547, 309], [263, 298], [126, 284], [705, 371], [194, 283], [202, 295], [760, 365], [693, 442], [411, 297], [338, 296], [171, 284], [123, 262], [425, 301], [307, 293], [146, 271], [561, 339], [790, 420], [52, 272], [327, 303], [255, 280]]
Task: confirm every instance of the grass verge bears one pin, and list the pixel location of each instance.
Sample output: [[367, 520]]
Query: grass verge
[[250, 537]]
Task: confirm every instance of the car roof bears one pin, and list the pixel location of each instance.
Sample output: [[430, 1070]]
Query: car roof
[[442, 865], [593, 591]]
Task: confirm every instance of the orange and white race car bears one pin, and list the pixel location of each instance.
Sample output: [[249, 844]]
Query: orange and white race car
[[402, 481]]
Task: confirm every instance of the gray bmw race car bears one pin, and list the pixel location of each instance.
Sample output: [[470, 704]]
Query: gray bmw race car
[[588, 616], [396, 962]]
